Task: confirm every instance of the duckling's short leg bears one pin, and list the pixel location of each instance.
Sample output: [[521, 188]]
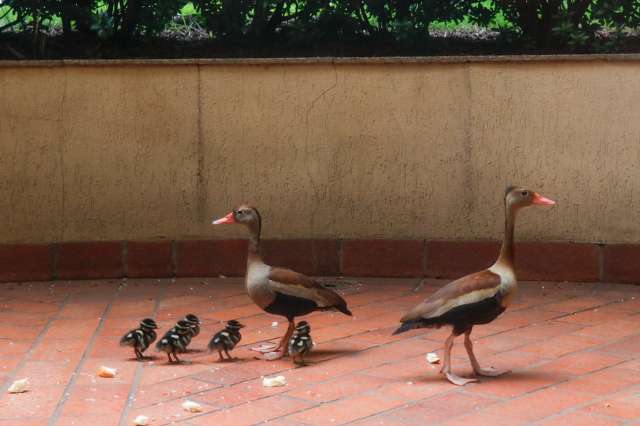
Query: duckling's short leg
[[302, 362], [139, 356], [179, 361], [490, 372], [446, 366], [228, 356], [169, 356], [221, 359]]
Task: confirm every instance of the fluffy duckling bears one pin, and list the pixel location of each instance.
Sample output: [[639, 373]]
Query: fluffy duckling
[[195, 321], [140, 338], [300, 343], [175, 340], [227, 339]]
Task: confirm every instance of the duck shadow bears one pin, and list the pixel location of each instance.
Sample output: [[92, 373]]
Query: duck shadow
[[436, 376]]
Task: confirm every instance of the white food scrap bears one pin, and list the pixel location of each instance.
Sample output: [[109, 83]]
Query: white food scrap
[[433, 358], [19, 386], [191, 406], [141, 420], [107, 372], [271, 382]]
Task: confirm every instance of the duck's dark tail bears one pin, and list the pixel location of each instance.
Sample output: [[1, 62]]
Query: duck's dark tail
[[410, 325], [344, 309]]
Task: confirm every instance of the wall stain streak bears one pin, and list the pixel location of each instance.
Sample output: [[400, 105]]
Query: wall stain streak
[[307, 152]]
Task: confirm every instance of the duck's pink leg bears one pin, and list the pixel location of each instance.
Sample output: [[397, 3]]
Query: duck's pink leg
[[282, 349], [446, 366], [490, 372]]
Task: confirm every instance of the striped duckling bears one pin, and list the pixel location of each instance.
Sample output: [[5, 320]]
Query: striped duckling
[[300, 343], [140, 338], [195, 323], [176, 340], [227, 339]]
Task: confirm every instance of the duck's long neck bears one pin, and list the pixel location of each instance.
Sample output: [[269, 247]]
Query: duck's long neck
[[506, 257], [254, 241]]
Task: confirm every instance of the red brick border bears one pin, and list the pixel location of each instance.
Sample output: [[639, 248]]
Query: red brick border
[[210, 258], [102, 259], [384, 258], [149, 259], [26, 262], [621, 263], [453, 259]]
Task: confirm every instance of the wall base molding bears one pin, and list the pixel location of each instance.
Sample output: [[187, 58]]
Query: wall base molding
[[539, 261]]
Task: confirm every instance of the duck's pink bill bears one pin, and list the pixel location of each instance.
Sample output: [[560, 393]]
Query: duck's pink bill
[[227, 219], [539, 199]]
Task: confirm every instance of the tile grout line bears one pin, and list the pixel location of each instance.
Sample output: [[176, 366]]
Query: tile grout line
[[311, 407], [53, 419], [334, 339], [133, 391], [11, 377], [279, 371]]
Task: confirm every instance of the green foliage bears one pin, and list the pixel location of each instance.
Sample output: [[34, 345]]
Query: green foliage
[[576, 24], [569, 24]]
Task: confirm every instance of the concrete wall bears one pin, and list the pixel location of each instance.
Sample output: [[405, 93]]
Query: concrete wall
[[421, 149]]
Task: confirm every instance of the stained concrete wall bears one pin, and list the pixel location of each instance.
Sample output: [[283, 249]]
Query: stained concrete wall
[[421, 149]]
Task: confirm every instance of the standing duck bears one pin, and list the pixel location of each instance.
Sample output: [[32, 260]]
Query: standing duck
[[477, 298], [140, 338], [280, 291]]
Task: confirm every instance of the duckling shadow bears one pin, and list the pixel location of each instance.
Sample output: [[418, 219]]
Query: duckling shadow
[[325, 354], [146, 358], [233, 361]]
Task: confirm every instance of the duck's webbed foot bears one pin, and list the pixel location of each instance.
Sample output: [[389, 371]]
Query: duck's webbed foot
[[487, 372], [457, 380], [490, 372]]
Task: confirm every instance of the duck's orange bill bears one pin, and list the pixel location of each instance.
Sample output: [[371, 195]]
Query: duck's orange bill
[[539, 199], [227, 219]]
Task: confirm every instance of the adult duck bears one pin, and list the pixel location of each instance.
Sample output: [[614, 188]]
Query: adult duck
[[280, 291], [477, 298]]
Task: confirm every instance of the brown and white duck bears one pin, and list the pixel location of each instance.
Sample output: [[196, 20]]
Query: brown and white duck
[[477, 298], [280, 291]]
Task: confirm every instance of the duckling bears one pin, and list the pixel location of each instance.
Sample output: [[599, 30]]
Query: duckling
[[195, 321], [300, 343], [140, 338], [226, 339], [175, 340]]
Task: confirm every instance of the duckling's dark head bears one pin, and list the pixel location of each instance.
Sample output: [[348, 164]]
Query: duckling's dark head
[[234, 325], [192, 319], [148, 323], [303, 327]]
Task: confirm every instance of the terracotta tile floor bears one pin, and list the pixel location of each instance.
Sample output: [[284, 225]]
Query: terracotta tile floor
[[574, 352]]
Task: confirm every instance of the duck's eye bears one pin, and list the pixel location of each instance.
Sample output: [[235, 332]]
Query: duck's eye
[[525, 193], [239, 212]]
